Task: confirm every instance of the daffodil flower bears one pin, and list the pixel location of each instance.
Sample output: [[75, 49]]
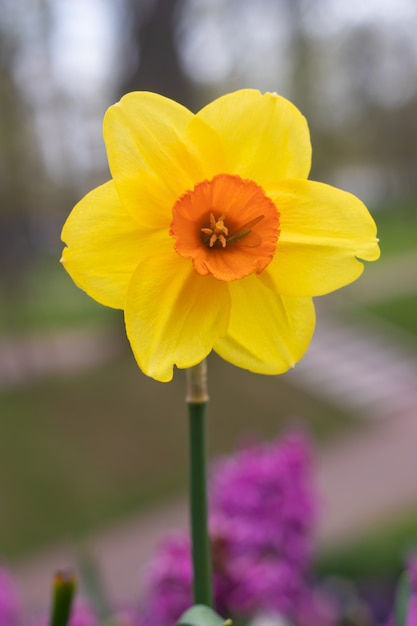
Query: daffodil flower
[[209, 235]]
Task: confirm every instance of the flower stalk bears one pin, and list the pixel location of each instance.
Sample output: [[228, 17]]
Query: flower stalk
[[63, 591], [197, 398]]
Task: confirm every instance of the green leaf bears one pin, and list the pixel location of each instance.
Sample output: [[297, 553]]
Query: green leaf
[[63, 591], [402, 598], [92, 584], [201, 615]]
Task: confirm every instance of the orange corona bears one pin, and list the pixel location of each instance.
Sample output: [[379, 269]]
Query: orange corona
[[227, 226]]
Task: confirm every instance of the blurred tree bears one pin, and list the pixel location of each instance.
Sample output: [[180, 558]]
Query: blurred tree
[[301, 54], [150, 53], [19, 166]]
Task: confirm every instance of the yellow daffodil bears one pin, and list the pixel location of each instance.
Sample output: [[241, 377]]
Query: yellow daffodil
[[209, 235]]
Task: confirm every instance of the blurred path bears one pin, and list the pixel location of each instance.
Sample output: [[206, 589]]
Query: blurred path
[[25, 358], [367, 368], [368, 479]]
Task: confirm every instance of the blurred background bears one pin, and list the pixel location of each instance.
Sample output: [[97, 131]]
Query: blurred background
[[85, 439]]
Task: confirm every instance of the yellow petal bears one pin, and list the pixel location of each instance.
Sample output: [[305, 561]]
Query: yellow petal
[[267, 333], [173, 316], [264, 137], [105, 245], [157, 149], [323, 233], [102, 246]]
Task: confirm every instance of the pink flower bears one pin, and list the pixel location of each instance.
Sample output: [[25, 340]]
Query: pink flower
[[10, 607]]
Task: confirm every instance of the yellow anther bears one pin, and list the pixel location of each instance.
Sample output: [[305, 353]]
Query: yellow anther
[[217, 231]]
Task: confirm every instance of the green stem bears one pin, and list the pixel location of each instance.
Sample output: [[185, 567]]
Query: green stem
[[63, 594], [197, 403]]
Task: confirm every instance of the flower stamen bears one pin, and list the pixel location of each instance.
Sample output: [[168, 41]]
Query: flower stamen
[[216, 232], [219, 232]]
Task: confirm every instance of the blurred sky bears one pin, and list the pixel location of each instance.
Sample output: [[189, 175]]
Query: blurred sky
[[83, 43]]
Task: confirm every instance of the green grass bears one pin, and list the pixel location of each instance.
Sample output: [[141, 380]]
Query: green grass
[[380, 553], [79, 452], [397, 229], [46, 298], [401, 312], [388, 288]]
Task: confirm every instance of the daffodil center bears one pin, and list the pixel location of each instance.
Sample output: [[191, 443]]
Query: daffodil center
[[216, 233], [228, 227]]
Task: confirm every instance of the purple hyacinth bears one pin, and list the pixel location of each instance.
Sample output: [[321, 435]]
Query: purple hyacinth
[[10, 608], [168, 590], [263, 509], [265, 491], [83, 615], [262, 515]]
